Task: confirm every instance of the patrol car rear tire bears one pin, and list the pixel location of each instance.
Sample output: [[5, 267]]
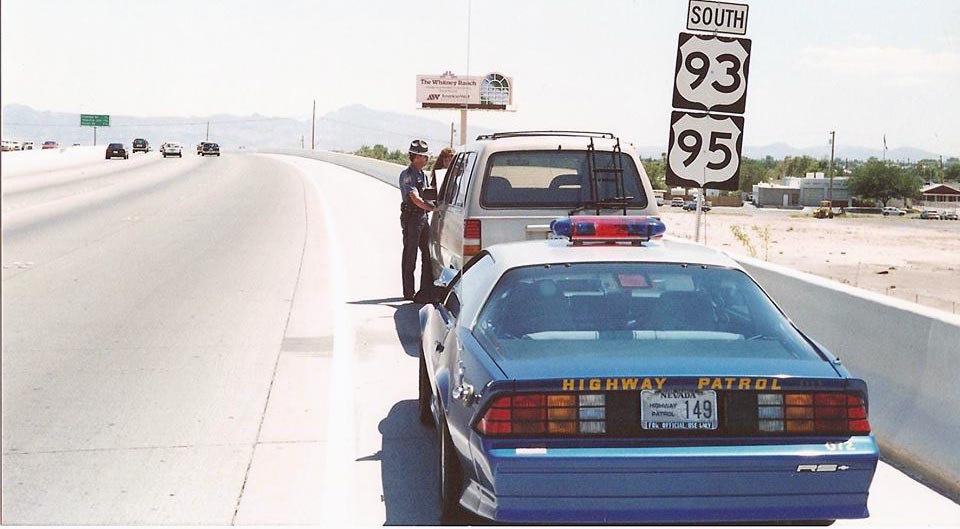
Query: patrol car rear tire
[[426, 416], [451, 477]]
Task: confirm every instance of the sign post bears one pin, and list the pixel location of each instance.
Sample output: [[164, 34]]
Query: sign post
[[709, 98], [94, 120]]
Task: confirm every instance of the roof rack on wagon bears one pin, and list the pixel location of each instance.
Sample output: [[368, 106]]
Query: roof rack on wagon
[[529, 133]]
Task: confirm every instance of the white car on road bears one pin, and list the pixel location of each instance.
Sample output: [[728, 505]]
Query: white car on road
[[171, 149], [890, 210]]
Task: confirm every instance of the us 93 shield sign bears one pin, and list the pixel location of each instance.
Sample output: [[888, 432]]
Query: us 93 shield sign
[[704, 151], [711, 73]]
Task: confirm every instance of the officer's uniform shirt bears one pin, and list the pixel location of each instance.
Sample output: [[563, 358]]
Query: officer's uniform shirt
[[411, 179]]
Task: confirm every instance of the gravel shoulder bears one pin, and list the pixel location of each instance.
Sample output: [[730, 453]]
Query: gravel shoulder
[[908, 258]]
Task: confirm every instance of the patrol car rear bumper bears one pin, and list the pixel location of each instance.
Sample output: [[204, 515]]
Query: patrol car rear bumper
[[673, 484]]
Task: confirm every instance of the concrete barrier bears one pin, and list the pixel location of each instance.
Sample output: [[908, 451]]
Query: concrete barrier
[[908, 354], [384, 171]]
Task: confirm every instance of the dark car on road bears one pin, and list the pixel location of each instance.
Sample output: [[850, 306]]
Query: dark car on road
[[50, 145], [117, 150], [209, 149], [141, 145], [692, 206]]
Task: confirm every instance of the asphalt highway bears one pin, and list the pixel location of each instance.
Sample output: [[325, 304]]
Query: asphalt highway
[[222, 341]]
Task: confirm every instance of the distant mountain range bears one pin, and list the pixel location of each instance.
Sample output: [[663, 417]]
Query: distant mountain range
[[345, 129]]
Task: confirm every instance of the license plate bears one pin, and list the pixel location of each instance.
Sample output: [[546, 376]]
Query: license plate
[[678, 410]]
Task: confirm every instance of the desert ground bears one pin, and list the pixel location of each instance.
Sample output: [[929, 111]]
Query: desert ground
[[908, 258]]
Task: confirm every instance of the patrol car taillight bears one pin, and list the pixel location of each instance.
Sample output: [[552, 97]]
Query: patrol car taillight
[[550, 414], [471, 237], [812, 413], [608, 228]]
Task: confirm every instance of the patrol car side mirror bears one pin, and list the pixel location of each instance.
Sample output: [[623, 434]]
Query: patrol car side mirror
[[429, 193], [446, 277]]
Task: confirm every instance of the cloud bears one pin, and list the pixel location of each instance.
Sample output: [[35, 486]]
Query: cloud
[[904, 65]]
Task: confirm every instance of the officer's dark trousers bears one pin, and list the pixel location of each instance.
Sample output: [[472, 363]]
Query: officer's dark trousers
[[415, 236]]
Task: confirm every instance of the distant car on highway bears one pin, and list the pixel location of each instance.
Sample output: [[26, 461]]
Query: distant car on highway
[[171, 148], [26, 146], [50, 145], [117, 150], [692, 206], [508, 186], [676, 202], [950, 215], [607, 378], [890, 210], [209, 148], [141, 145], [930, 214], [10, 145]]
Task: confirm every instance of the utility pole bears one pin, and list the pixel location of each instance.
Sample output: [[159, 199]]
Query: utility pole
[[313, 126], [208, 131], [833, 139], [301, 142]]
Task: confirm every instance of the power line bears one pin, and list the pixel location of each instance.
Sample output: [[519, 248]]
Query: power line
[[235, 121], [159, 124]]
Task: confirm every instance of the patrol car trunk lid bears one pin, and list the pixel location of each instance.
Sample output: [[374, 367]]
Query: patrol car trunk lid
[[550, 359]]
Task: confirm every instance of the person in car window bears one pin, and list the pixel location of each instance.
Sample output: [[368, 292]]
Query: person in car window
[[442, 164], [413, 220]]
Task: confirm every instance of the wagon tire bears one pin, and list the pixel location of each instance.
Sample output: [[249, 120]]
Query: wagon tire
[[450, 474], [426, 416]]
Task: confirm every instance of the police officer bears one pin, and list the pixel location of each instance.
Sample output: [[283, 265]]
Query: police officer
[[413, 220]]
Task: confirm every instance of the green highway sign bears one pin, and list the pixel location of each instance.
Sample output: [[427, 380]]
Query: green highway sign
[[94, 120]]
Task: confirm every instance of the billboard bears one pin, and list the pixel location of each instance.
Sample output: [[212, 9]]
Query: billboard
[[488, 92]]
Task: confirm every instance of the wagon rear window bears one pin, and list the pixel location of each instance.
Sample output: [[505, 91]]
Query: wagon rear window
[[555, 179]]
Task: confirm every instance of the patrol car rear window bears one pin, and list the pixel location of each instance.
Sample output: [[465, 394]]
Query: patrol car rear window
[[554, 179], [651, 309]]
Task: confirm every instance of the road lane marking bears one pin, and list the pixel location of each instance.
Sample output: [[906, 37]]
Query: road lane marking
[[338, 484]]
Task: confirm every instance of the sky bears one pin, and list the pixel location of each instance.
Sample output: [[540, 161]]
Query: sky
[[862, 68]]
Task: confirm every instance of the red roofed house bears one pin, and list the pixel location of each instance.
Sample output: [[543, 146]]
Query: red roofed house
[[940, 196]]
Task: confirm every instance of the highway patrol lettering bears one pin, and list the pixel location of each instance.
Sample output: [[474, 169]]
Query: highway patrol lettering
[[658, 383], [772, 384], [612, 384]]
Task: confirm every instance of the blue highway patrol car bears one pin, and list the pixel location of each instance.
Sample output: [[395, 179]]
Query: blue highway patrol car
[[607, 376]]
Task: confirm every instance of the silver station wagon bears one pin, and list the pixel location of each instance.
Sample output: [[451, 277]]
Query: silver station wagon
[[508, 186]]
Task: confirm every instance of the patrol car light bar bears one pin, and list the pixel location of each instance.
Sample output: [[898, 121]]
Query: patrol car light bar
[[539, 414], [610, 228]]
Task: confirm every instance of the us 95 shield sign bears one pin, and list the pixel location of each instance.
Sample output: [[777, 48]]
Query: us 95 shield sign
[[711, 73], [704, 151]]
